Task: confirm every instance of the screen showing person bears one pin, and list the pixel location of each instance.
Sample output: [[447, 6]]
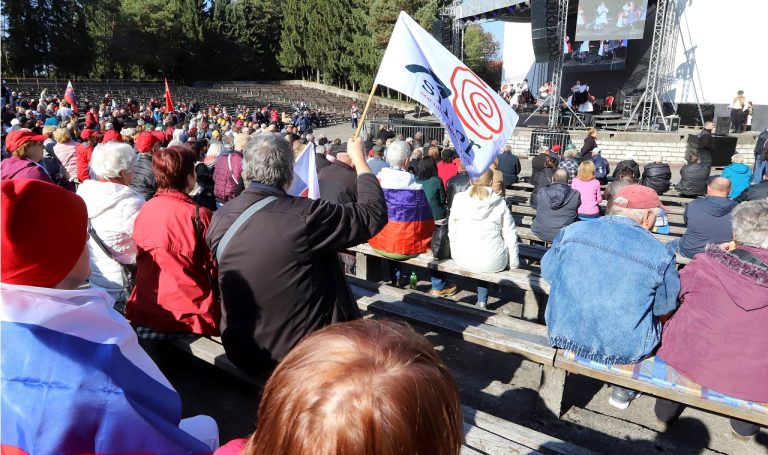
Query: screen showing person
[[610, 20]]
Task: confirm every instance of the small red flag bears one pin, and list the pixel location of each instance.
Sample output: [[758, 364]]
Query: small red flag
[[168, 99]]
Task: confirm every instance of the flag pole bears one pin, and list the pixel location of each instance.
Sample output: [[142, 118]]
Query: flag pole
[[361, 120]]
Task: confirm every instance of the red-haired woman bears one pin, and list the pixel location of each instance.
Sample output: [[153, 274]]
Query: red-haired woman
[[176, 286], [350, 388]]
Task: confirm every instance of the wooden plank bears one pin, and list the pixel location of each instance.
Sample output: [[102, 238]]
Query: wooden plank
[[458, 327], [213, 352], [492, 444], [669, 195], [528, 210], [526, 330], [519, 278], [523, 227], [650, 389], [521, 434], [520, 194], [465, 450]]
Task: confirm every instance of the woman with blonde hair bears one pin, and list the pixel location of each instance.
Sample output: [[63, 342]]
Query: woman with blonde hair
[[65, 150], [481, 232], [589, 189], [352, 388]]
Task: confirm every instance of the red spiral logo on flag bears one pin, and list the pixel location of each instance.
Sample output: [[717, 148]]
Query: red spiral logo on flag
[[474, 104]]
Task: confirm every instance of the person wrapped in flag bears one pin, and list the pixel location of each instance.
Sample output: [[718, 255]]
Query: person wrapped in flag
[[74, 379], [70, 97]]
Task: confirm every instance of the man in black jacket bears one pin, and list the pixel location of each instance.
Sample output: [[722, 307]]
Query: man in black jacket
[[143, 177], [705, 143], [757, 191], [693, 177], [280, 275], [509, 165], [457, 184], [657, 177], [338, 181], [558, 206]]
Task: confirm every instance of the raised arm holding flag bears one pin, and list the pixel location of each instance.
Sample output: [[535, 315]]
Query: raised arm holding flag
[[478, 121]]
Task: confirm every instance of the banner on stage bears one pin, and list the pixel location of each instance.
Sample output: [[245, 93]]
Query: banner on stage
[[476, 118]]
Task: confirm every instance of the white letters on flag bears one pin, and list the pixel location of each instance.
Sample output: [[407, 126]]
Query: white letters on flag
[[477, 120], [305, 175]]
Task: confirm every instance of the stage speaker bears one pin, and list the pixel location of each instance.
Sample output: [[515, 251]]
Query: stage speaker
[[689, 113], [723, 126], [441, 31], [546, 44]]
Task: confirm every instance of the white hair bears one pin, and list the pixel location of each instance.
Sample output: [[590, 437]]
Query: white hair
[[570, 154], [241, 140], [635, 214], [750, 224], [268, 159], [175, 143], [310, 138], [215, 149], [397, 153], [109, 159]]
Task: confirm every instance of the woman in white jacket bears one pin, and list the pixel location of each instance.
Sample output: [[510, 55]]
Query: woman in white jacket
[[482, 232], [112, 209]]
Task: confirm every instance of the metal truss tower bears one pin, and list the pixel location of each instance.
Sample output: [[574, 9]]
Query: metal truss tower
[[557, 63], [659, 65]]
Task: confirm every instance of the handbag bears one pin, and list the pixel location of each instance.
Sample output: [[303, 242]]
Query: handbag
[[128, 271], [441, 246]]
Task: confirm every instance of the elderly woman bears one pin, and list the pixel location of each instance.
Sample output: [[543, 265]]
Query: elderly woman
[[717, 337], [65, 150], [112, 208], [26, 149], [176, 289]]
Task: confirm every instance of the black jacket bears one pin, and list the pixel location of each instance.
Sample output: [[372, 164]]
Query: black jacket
[[338, 183], [455, 185], [657, 177], [540, 180], [705, 147], [762, 141], [509, 165], [631, 164], [586, 151], [280, 277], [320, 162], [756, 192], [558, 206], [537, 163], [693, 179], [143, 177]]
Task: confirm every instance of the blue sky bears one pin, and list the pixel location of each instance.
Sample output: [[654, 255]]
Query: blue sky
[[497, 29]]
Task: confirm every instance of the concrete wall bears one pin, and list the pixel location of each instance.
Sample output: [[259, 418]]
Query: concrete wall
[[642, 147], [403, 106]]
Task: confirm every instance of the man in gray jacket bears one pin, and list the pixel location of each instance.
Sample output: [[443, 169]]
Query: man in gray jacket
[[557, 207]]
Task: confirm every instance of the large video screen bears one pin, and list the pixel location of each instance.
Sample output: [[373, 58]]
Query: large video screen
[[610, 20], [603, 55]]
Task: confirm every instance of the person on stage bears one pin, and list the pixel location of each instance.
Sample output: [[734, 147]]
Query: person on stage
[[738, 106]]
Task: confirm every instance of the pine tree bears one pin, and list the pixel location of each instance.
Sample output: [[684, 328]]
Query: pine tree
[[23, 51]]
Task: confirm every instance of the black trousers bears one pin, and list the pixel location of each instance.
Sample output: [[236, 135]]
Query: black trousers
[[736, 120], [667, 411]]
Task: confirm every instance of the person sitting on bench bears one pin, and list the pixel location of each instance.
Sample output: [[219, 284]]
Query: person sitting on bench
[[618, 324], [557, 208], [693, 177], [362, 387], [717, 337]]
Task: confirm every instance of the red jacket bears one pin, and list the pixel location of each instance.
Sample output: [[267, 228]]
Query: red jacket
[[176, 283], [91, 120], [84, 152]]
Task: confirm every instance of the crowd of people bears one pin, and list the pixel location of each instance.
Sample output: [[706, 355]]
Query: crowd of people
[[185, 225]]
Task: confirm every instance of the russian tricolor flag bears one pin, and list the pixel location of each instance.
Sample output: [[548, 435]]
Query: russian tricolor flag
[[74, 379], [305, 175], [70, 97]]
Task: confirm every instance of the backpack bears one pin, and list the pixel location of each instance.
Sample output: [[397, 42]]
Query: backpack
[[601, 167]]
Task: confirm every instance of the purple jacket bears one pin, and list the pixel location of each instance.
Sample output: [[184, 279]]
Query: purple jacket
[[227, 173], [15, 168], [717, 337]]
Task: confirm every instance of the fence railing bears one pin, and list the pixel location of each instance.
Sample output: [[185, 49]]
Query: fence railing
[[429, 132]]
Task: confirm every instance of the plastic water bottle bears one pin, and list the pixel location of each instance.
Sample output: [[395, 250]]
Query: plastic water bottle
[[414, 280]]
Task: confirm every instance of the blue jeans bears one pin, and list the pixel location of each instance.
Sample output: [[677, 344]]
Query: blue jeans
[[584, 217], [757, 173], [482, 293], [674, 245]]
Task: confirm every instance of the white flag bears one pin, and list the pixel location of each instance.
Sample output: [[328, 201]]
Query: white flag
[[477, 120], [305, 175]]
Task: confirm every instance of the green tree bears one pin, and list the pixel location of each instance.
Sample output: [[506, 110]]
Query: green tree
[[24, 53], [480, 50]]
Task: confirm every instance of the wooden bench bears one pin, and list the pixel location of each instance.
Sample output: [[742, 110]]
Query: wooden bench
[[524, 196], [483, 433], [669, 197], [370, 263]]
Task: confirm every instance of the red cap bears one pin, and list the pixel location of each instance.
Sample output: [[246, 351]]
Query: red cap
[[145, 141], [86, 133], [637, 197], [16, 139], [29, 209], [556, 148], [159, 135], [112, 135]]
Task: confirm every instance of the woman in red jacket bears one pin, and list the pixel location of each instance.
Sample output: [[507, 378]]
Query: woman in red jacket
[[176, 286]]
